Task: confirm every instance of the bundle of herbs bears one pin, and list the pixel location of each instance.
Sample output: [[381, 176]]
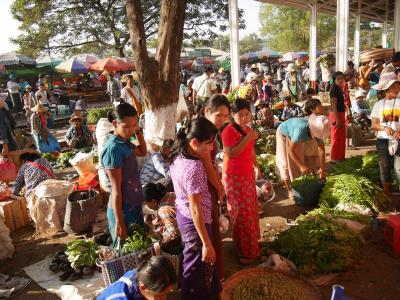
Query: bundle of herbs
[[267, 165], [348, 190], [137, 241]]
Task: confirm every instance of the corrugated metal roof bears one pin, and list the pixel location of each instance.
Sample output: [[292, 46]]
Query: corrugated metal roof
[[372, 10]]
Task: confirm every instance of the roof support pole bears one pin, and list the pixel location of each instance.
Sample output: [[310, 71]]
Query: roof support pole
[[342, 30], [313, 47], [357, 37], [234, 28], [385, 27], [396, 44]]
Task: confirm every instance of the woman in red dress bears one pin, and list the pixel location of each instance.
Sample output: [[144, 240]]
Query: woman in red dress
[[239, 180]]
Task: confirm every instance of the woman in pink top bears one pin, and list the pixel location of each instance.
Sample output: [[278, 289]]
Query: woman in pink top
[[239, 180], [193, 209]]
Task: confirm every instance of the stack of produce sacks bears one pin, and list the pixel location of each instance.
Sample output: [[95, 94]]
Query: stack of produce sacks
[[6, 246]]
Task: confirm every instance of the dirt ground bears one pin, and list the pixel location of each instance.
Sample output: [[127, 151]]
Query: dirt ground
[[375, 276]]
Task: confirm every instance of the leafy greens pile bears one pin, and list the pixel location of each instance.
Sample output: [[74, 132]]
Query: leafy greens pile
[[82, 253], [137, 240], [318, 245], [352, 190]]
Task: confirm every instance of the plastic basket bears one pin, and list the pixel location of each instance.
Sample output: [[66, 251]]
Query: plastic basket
[[114, 269]]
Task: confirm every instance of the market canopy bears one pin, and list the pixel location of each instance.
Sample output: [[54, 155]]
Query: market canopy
[[13, 59], [372, 10], [73, 65], [111, 65], [48, 61], [87, 58]]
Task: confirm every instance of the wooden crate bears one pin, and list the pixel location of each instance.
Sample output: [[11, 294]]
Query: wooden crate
[[14, 213]]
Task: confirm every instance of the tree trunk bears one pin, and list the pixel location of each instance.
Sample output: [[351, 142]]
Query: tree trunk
[[120, 52], [159, 76]]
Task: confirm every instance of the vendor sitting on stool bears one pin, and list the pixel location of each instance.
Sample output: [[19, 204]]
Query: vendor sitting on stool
[[78, 135]]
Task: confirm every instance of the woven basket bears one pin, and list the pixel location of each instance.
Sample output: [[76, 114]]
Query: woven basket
[[81, 211], [114, 269], [309, 290]]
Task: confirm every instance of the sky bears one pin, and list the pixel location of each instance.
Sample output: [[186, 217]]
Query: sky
[[9, 26]]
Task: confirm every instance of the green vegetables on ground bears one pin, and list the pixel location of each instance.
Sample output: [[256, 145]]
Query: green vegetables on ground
[[352, 190], [267, 165], [300, 180], [266, 143], [82, 253], [274, 286], [95, 114], [137, 240], [318, 245]]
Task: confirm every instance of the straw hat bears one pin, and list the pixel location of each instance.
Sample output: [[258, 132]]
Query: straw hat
[[259, 102], [39, 108], [74, 117], [385, 81], [28, 87], [319, 126]]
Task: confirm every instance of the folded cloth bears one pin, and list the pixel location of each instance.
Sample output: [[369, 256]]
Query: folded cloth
[[11, 285]]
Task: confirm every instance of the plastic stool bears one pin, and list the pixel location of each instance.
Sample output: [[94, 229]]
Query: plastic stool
[[392, 232]]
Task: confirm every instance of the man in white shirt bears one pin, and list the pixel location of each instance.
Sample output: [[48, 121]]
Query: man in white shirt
[[41, 95], [131, 94], [113, 88], [204, 87], [13, 88]]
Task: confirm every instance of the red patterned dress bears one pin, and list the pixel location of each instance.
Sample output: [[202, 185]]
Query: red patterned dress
[[240, 187]]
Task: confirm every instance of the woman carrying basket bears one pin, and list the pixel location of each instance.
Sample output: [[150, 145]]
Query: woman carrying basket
[[119, 160], [292, 138]]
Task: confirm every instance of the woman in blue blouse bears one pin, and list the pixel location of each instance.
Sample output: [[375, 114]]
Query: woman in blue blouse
[[292, 138], [119, 160]]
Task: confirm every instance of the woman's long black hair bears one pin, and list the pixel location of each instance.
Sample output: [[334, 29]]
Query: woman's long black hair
[[154, 191], [201, 129], [216, 101], [237, 106]]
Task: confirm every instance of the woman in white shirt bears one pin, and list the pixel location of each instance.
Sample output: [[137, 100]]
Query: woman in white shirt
[[386, 122]]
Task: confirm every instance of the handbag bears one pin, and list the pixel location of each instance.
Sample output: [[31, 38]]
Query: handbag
[[81, 210]]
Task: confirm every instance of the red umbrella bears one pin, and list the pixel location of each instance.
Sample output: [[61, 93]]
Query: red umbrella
[[111, 64], [129, 61]]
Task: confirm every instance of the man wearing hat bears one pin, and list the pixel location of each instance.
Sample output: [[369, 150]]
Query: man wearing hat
[[13, 89], [29, 101], [78, 135], [386, 122], [360, 109], [44, 140], [292, 86]]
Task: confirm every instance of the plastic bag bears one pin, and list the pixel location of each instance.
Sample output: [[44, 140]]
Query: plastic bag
[[182, 110], [83, 163], [223, 222], [8, 170]]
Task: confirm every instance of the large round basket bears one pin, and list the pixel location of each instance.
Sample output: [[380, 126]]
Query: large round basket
[[309, 290], [376, 54]]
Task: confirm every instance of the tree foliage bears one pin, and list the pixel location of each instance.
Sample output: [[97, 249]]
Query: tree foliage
[[287, 29], [60, 25]]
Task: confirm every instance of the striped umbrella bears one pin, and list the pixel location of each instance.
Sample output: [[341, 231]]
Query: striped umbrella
[[87, 58], [111, 65], [249, 56], [73, 65], [290, 56]]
